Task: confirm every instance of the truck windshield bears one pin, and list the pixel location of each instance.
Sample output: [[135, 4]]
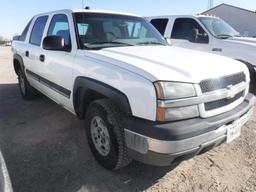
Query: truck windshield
[[97, 31], [218, 27]]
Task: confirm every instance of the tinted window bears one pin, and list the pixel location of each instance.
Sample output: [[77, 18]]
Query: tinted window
[[159, 24], [183, 29], [25, 31], [59, 26], [38, 30]]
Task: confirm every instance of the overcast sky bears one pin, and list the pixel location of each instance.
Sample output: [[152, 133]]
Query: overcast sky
[[14, 14]]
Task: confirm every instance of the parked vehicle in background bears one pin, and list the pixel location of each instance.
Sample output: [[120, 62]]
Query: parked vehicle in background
[[140, 98], [209, 34], [9, 43]]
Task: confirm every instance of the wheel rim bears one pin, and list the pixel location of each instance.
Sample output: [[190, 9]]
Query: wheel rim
[[100, 135], [22, 84]]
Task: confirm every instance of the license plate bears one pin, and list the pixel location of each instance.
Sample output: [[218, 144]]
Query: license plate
[[234, 130]]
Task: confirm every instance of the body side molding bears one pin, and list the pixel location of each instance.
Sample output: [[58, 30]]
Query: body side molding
[[61, 90]]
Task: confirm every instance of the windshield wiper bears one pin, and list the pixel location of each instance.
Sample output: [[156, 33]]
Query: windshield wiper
[[224, 36], [149, 43], [110, 42]]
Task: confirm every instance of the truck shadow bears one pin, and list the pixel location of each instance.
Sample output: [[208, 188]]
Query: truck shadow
[[45, 149]]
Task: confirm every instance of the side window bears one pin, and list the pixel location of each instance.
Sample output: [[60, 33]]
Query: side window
[[59, 26], [38, 30], [25, 31], [189, 29], [82, 28], [136, 30], [160, 24]]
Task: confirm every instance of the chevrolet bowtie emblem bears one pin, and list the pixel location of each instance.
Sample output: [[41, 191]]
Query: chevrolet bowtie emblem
[[231, 92]]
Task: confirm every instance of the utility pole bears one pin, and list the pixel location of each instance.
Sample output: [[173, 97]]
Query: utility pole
[[210, 4]]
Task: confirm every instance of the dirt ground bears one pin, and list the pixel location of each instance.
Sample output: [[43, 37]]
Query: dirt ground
[[46, 150]]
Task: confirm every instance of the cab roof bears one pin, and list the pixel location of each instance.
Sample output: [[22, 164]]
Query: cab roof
[[189, 16], [90, 11], [103, 11]]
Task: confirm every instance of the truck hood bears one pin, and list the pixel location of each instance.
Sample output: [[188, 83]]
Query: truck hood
[[243, 40], [169, 63]]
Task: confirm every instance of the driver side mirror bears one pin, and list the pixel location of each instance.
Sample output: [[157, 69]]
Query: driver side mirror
[[197, 37], [194, 35], [54, 43]]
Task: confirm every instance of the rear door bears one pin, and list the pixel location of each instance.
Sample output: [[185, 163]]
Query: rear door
[[33, 49], [183, 31]]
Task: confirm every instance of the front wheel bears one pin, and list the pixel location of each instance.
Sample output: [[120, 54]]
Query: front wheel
[[252, 77], [253, 80], [105, 135]]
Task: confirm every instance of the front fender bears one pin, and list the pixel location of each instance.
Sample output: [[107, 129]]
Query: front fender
[[87, 90], [18, 63]]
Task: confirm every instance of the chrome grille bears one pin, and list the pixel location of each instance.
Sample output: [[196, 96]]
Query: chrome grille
[[222, 82], [222, 102]]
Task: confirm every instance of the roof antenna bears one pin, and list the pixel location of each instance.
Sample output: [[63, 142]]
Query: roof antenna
[[83, 5]]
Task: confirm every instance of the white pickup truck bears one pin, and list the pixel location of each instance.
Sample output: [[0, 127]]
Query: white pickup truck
[[209, 34], [140, 98]]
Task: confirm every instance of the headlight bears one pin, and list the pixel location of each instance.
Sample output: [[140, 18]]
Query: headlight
[[173, 90]]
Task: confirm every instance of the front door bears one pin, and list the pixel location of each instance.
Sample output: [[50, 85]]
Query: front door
[[187, 33], [58, 65]]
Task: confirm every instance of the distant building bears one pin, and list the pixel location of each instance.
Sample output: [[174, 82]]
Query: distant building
[[243, 20]]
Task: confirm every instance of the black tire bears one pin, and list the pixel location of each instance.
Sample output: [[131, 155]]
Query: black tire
[[117, 156], [27, 91], [252, 77]]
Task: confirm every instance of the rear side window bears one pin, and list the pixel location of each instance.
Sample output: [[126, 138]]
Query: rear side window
[[82, 28], [38, 30], [59, 26], [183, 28], [25, 31], [160, 24]]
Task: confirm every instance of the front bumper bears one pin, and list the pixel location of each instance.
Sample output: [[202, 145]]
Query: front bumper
[[162, 144]]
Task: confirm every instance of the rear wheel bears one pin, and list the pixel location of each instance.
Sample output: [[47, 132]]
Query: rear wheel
[[26, 90], [105, 135]]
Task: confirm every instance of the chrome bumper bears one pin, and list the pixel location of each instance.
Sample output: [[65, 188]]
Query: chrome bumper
[[143, 144]]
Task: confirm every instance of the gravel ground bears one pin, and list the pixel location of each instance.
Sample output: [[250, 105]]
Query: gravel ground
[[46, 150]]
